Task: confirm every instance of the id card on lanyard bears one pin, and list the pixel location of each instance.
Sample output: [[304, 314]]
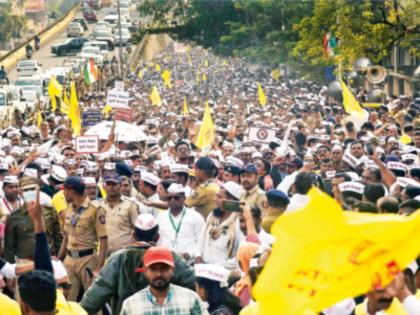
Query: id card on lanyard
[[176, 227]]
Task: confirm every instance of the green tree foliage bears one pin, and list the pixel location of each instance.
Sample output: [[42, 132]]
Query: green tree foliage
[[12, 26], [363, 28]]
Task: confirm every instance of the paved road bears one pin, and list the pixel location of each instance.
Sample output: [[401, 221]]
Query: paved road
[[49, 60]]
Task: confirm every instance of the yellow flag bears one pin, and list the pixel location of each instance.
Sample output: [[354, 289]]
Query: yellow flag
[[207, 131], [155, 97], [324, 254], [107, 109], [74, 112], [204, 77], [65, 104], [157, 67], [352, 106], [261, 96], [166, 76], [405, 139], [186, 110], [140, 74], [54, 90], [39, 118], [224, 63], [275, 74], [206, 63]]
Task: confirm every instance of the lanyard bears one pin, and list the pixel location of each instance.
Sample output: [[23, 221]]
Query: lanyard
[[176, 227], [9, 206]]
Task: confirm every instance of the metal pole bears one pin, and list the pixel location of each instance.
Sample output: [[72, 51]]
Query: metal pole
[[120, 44]]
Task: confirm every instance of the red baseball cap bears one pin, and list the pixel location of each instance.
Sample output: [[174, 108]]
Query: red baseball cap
[[158, 254]]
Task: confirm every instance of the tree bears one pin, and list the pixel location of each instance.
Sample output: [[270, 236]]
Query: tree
[[363, 28], [12, 25]]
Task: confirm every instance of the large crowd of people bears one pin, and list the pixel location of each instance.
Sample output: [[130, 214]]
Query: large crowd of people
[[160, 226]]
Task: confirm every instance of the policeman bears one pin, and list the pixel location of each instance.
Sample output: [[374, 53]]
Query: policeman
[[253, 194], [121, 214], [203, 198], [84, 225]]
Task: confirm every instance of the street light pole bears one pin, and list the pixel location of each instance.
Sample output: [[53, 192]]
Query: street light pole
[[120, 44]]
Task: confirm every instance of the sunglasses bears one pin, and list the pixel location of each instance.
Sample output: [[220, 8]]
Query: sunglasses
[[174, 198]]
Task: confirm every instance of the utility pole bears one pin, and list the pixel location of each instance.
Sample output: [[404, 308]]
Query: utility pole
[[120, 44]]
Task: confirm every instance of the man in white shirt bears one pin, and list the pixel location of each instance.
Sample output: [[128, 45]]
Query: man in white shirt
[[179, 173], [180, 227], [148, 189], [303, 183]]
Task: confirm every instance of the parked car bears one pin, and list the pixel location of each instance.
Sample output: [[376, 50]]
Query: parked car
[[72, 45], [124, 39], [75, 29], [28, 67], [82, 22]]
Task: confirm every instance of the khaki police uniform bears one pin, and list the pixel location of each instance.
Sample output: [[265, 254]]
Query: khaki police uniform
[[83, 228], [120, 219], [256, 196], [203, 198]]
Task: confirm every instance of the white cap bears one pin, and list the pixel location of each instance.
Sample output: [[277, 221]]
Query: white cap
[[11, 179], [212, 272], [397, 166], [352, 186], [109, 166], [150, 178], [89, 180], [233, 189], [58, 173], [58, 159], [176, 189], [30, 172], [145, 222], [406, 181], [234, 161], [179, 168]]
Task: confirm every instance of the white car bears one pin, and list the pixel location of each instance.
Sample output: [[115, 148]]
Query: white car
[[125, 14], [28, 68], [103, 26], [125, 37], [92, 52], [112, 17], [103, 46], [75, 29]]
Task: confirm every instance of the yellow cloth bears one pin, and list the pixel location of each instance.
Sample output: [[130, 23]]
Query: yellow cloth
[[65, 104], [396, 308], [275, 74], [54, 90], [261, 95], [155, 97], [39, 118], [371, 105], [59, 202], [74, 112], [186, 110], [63, 307], [323, 254], [157, 67], [352, 106], [204, 77], [207, 131], [8, 306], [405, 139], [166, 76]]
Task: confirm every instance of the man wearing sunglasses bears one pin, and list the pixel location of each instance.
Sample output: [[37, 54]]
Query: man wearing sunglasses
[[180, 227]]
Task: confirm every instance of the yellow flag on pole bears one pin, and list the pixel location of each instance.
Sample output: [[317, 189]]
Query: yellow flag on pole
[[155, 97], [261, 96], [65, 104], [166, 76], [54, 90], [74, 112], [204, 77], [38, 118], [206, 63], [207, 131], [186, 110], [352, 106], [140, 74], [275, 74], [157, 67], [324, 254]]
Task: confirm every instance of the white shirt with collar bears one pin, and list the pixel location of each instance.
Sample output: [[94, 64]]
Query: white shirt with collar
[[191, 225], [297, 201], [149, 209]]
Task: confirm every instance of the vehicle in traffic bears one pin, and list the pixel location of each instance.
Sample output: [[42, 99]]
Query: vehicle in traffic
[[75, 29], [75, 65], [103, 46], [90, 15], [104, 36], [125, 14], [82, 22], [103, 25], [28, 67], [94, 53], [73, 45], [6, 106], [60, 74], [35, 83], [111, 17], [124, 39]]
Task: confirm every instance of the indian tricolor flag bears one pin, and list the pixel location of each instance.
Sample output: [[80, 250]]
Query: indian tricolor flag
[[90, 72]]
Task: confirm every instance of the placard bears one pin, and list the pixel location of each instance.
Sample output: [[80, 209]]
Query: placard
[[91, 117], [87, 144], [119, 85], [117, 98], [124, 114], [264, 135]]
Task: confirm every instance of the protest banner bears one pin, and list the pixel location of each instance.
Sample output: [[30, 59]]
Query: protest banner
[[87, 144]]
